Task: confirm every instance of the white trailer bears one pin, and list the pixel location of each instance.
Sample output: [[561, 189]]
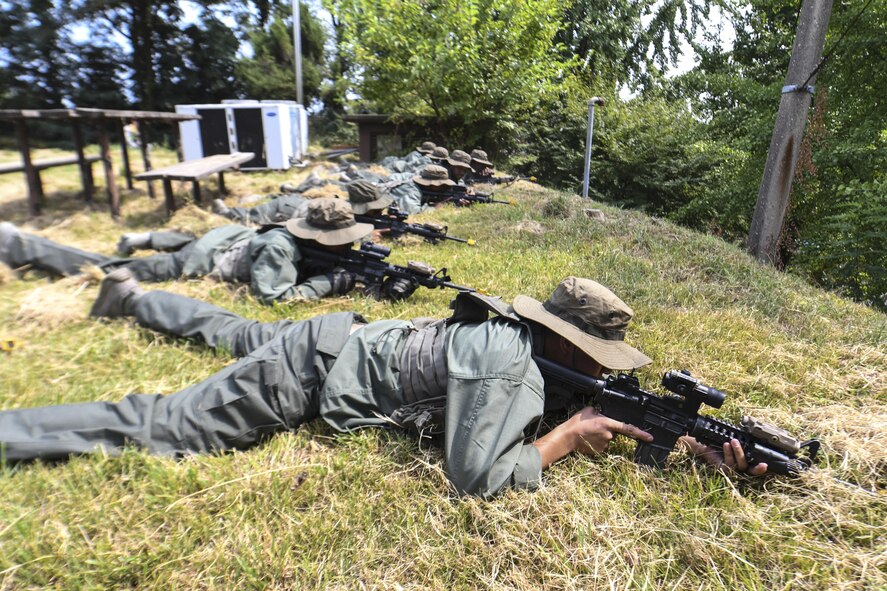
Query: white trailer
[[275, 131]]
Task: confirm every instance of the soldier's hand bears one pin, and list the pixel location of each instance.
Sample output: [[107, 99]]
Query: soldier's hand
[[587, 432], [594, 432], [398, 289], [730, 458], [341, 281]]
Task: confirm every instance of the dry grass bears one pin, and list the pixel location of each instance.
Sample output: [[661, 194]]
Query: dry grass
[[372, 510]]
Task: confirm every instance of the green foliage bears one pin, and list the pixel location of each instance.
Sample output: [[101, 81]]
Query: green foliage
[[830, 233], [479, 68], [629, 41], [853, 257], [270, 72], [35, 67]]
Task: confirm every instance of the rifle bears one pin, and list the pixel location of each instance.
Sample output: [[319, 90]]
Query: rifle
[[459, 196], [395, 222], [498, 180], [670, 416], [369, 265]]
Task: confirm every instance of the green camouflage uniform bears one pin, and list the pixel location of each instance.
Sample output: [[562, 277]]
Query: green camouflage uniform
[[290, 372], [270, 262]]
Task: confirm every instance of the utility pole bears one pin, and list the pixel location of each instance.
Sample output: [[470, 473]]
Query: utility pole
[[297, 49], [782, 158], [595, 100]]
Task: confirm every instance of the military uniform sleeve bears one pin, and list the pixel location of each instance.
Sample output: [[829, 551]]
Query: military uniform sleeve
[[274, 271], [314, 288], [494, 397]]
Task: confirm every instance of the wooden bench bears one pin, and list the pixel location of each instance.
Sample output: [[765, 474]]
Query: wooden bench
[[39, 165], [194, 170]]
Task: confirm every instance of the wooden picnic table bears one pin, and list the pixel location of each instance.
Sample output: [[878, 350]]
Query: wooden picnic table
[[194, 170], [100, 119]]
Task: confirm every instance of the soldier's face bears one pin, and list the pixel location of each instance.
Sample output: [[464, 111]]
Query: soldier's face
[[338, 248], [560, 350]]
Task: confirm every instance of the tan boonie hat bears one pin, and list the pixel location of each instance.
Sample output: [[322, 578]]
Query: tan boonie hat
[[365, 196], [591, 317], [439, 153], [426, 147], [480, 157], [460, 158], [433, 176], [330, 222]]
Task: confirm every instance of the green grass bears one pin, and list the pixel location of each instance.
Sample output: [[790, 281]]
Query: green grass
[[372, 510]]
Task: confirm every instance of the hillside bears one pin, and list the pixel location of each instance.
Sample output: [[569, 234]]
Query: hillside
[[372, 509]]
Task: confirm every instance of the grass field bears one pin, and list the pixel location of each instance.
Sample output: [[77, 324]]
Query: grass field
[[372, 509]]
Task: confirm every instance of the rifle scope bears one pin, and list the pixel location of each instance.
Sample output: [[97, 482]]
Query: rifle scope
[[684, 384]]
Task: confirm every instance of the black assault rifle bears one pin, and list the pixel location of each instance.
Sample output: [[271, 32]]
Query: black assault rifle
[[489, 179], [395, 221], [370, 267], [670, 416], [459, 196]]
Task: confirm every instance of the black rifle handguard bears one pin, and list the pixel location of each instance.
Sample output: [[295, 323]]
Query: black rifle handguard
[[668, 417]]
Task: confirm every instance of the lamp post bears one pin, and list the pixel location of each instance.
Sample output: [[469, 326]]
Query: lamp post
[[595, 100], [297, 49]]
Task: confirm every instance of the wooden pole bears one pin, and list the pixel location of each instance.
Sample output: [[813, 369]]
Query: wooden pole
[[35, 188], [222, 189], [170, 198], [782, 158], [146, 158], [85, 167], [110, 179], [124, 150]]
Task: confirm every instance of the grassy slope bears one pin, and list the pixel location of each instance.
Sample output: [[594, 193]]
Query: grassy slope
[[372, 509]]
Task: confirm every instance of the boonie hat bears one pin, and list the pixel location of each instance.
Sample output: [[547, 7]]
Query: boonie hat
[[439, 153], [591, 317], [480, 157], [460, 158], [329, 221], [365, 196], [433, 175], [426, 148]]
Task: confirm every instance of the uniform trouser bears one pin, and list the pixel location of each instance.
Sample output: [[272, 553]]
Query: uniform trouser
[[58, 259], [169, 241], [266, 391], [46, 255], [279, 209]]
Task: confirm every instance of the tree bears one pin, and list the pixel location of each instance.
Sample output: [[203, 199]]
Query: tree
[[100, 77], [478, 69], [832, 231], [270, 72], [36, 69], [629, 41]]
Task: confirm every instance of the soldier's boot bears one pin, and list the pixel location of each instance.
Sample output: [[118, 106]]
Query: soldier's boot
[[8, 234], [220, 208], [117, 296], [133, 241], [312, 181]]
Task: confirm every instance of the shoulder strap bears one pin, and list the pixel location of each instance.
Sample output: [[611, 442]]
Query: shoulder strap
[[476, 307]]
